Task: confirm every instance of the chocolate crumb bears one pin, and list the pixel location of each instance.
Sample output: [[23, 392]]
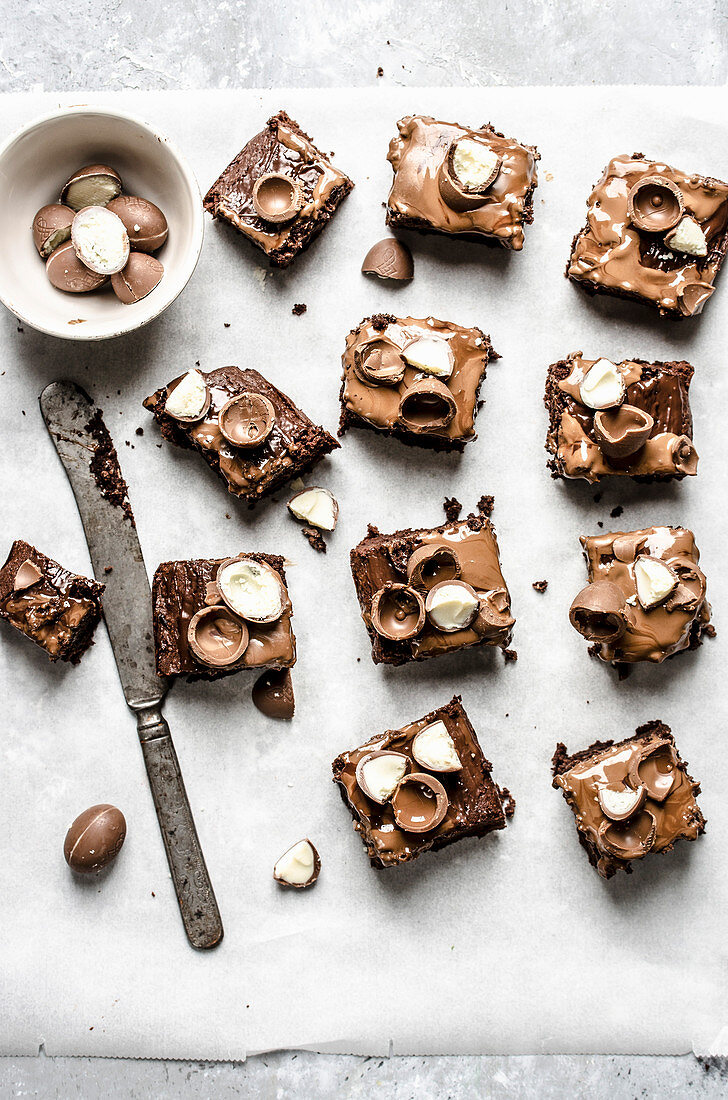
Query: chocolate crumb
[[315, 539], [140, 431], [540, 586], [105, 467], [380, 71], [485, 506], [226, 324], [510, 655], [20, 329], [616, 511], [227, 515], [709, 631], [509, 802], [108, 569], [299, 309], [599, 523], [453, 508]]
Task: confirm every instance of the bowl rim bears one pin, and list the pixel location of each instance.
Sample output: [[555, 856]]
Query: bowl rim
[[198, 222]]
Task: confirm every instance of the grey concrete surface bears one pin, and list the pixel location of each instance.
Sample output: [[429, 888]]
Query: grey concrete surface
[[118, 44]]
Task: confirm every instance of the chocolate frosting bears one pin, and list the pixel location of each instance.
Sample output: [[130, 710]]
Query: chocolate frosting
[[613, 254], [474, 800], [667, 812], [658, 390], [417, 155], [378, 406], [671, 626]]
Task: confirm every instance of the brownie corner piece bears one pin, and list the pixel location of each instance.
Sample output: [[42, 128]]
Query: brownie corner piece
[[626, 419], [55, 608], [450, 179], [280, 191], [426, 592], [204, 628], [654, 234], [421, 796], [416, 379], [629, 798], [288, 444], [646, 596]]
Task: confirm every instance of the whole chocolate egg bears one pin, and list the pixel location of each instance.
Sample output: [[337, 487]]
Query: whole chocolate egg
[[144, 222], [95, 838]]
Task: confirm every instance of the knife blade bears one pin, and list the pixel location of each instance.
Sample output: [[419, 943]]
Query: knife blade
[[86, 450]]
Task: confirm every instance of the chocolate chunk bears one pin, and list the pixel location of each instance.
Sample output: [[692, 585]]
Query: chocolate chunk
[[315, 539], [273, 694], [389, 259]]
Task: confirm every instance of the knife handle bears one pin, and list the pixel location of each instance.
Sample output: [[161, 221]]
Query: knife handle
[[198, 907]]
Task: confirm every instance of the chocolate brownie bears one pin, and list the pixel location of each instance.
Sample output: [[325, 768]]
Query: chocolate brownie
[[628, 419], [629, 798], [56, 609], [463, 801], [280, 191]]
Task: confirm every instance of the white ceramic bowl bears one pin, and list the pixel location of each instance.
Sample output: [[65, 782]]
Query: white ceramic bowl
[[36, 161]]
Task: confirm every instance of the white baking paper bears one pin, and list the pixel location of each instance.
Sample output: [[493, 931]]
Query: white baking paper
[[507, 944]]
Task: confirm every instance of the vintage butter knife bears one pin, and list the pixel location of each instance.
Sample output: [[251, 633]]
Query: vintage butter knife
[[85, 448]]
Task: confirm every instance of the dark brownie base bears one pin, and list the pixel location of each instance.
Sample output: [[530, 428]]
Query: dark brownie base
[[297, 450], [562, 761], [480, 806], [179, 589], [65, 608], [556, 401], [255, 160]]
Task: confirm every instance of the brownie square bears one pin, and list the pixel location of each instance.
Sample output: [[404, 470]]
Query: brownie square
[[415, 561], [56, 609], [614, 255], [612, 611], [293, 447], [476, 805], [181, 589], [629, 798], [660, 452], [440, 413], [282, 148], [421, 156]]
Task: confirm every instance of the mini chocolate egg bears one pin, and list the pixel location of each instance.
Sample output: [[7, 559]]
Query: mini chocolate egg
[[52, 227], [66, 272], [95, 838], [139, 278], [94, 185], [145, 223]]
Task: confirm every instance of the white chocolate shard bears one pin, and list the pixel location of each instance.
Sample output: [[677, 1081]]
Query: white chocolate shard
[[296, 866], [688, 237], [316, 506], [654, 581], [189, 397], [473, 163], [619, 803], [603, 386], [431, 354], [251, 589]]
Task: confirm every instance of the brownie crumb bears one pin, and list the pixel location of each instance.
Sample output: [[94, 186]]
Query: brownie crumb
[[108, 569], [709, 631], [226, 324], [485, 506], [453, 508], [105, 468], [299, 309], [140, 431], [380, 71], [599, 523], [510, 655], [315, 539], [540, 586], [615, 512], [509, 802]]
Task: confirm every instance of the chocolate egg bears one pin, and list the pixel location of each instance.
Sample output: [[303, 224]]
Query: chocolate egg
[[52, 227], [95, 838], [139, 278], [94, 185], [144, 222], [66, 272]]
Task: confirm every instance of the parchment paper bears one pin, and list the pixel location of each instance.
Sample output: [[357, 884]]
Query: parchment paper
[[509, 944]]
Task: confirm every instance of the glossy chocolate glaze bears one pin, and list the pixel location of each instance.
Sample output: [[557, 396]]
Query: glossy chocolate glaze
[[377, 406], [381, 559], [659, 389], [416, 156], [611, 254], [660, 632], [475, 802], [281, 148], [293, 446], [628, 763], [59, 611], [180, 590]]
